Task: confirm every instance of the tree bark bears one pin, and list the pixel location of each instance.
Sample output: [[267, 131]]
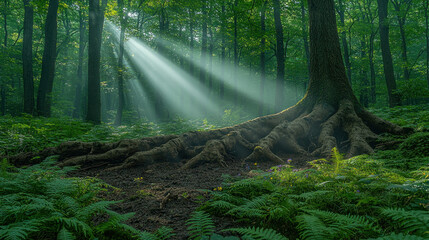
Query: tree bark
[[262, 59], [280, 51], [27, 58], [304, 36], [341, 12], [44, 94], [364, 94], [96, 21], [394, 99], [426, 6]]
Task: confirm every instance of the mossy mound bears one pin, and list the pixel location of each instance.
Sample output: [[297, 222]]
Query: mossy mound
[[416, 145]]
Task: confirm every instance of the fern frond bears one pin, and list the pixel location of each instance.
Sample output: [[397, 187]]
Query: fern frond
[[19, 230], [64, 234], [75, 224], [244, 212], [309, 196], [415, 221], [312, 228], [399, 236], [88, 211], [258, 233], [200, 224], [221, 206], [114, 222], [164, 233]]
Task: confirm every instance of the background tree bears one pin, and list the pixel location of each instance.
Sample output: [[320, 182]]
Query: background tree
[[96, 21], [44, 96]]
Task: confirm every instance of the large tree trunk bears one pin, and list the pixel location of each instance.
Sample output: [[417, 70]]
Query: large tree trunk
[[27, 58], [235, 51], [96, 21], [280, 56], [203, 43], [44, 94], [328, 116], [394, 99], [304, 36], [341, 12]]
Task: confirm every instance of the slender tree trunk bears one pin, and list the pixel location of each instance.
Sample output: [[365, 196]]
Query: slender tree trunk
[[96, 21], [203, 44], [373, 95], [262, 59], [191, 42], [426, 6], [305, 35], [27, 58], [121, 98], [394, 99], [211, 49], [364, 96], [3, 83], [344, 41], [401, 16], [44, 95], [77, 111], [279, 98], [235, 51], [223, 51]]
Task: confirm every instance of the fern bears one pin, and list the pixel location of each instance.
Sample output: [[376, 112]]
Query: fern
[[312, 228], [258, 233], [399, 236], [164, 233], [416, 221], [64, 234], [200, 225]]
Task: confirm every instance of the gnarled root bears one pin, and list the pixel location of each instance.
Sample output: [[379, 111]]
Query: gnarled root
[[307, 129]]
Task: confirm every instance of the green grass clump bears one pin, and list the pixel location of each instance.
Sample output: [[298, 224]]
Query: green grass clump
[[40, 202]]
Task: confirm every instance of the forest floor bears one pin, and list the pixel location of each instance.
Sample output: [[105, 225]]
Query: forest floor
[[162, 195]]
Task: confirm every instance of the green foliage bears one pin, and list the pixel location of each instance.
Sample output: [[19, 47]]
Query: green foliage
[[200, 225], [416, 145], [400, 236], [39, 202], [410, 221], [162, 233], [258, 233], [335, 199]]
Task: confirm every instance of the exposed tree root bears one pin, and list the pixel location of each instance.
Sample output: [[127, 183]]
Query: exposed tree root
[[312, 131]]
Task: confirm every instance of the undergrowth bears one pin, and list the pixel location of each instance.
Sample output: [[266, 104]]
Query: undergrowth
[[40, 202], [354, 198]]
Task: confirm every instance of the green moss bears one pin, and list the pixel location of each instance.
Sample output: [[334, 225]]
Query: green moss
[[416, 145]]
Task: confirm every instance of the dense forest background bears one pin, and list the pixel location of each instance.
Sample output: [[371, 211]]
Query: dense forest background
[[251, 56]]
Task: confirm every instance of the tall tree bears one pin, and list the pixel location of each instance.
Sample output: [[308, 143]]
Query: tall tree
[[3, 82], [96, 21], [203, 42], [262, 58], [402, 7], [223, 48], [426, 7], [123, 15], [235, 50], [394, 99], [27, 58], [44, 94], [79, 84], [280, 56]]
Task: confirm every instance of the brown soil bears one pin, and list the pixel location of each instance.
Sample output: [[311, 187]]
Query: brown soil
[[166, 196]]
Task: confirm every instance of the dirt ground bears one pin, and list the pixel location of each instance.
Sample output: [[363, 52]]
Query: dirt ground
[[161, 195]]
